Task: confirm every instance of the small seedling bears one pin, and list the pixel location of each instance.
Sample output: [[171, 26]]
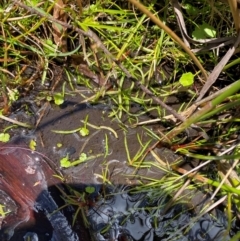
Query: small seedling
[[186, 79], [2, 212], [4, 137], [32, 145], [59, 97], [65, 162], [90, 189], [13, 94], [84, 131], [59, 145]]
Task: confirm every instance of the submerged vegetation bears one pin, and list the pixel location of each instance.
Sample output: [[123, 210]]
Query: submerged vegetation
[[170, 68]]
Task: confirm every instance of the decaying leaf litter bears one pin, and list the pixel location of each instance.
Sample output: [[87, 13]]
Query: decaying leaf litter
[[124, 59]]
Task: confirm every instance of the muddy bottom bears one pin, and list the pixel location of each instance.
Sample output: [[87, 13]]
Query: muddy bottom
[[99, 189]]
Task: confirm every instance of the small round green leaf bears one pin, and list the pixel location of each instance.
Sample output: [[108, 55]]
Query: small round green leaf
[[204, 31], [90, 189], [84, 131], [83, 157], [32, 145], [4, 137], [64, 162], [59, 145], [58, 98], [186, 79]]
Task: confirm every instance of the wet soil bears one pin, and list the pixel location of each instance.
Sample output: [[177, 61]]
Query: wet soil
[[68, 117], [122, 216]]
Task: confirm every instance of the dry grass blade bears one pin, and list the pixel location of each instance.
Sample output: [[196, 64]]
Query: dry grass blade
[[218, 69], [174, 198], [15, 121], [227, 177], [59, 34], [235, 13]]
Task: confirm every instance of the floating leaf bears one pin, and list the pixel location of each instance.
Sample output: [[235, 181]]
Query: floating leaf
[[4, 137], [186, 79], [90, 189]]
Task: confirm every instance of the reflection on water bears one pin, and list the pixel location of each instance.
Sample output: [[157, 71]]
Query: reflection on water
[[125, 216]]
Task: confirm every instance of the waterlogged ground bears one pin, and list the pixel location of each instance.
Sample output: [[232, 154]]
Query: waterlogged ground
[[112, 210]]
